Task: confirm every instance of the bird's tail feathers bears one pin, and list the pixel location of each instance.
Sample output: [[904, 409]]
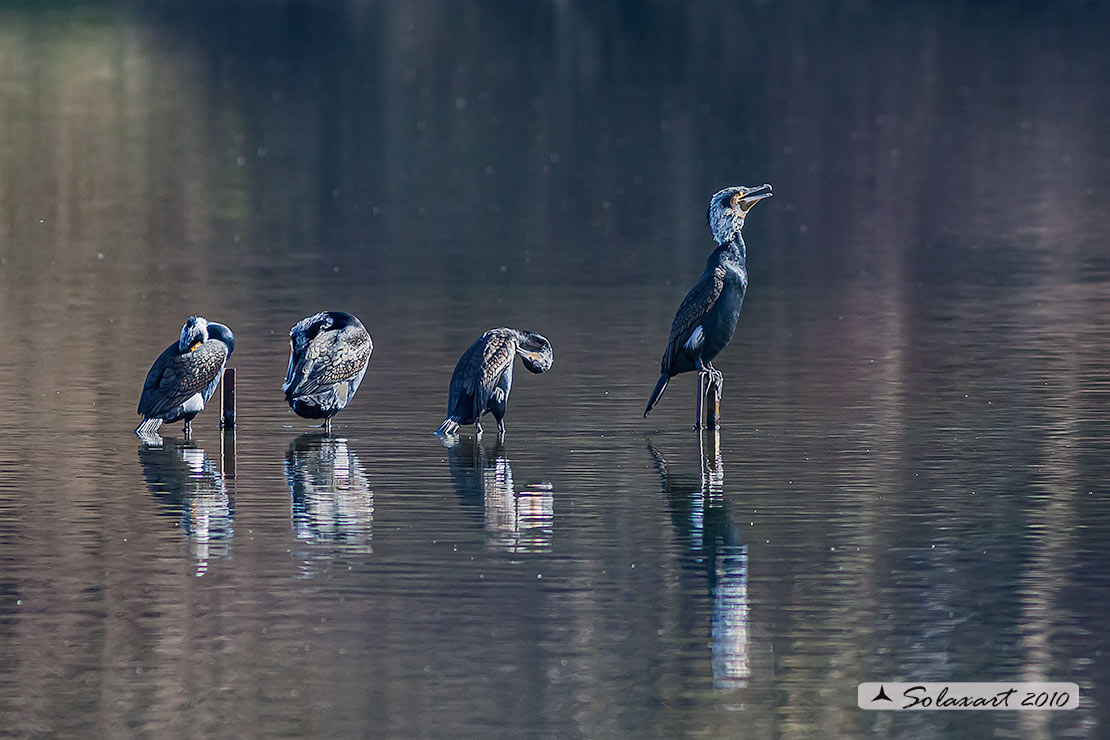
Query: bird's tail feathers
[[148, 426], [450, 425], [656, 394]]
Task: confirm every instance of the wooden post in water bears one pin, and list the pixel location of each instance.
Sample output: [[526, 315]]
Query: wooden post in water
[[228, 405], [227, 452], [713, 403], [227, 423], [714, 448]]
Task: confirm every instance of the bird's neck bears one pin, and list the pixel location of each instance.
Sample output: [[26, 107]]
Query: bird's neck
[[733, 248]]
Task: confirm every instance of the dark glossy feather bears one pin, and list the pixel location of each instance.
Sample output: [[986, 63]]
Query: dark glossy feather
[[660, 386], [695, 306]]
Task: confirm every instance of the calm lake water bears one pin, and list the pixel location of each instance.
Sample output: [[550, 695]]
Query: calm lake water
[[910, 483]]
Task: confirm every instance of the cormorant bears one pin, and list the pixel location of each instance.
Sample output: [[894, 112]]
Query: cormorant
[[328, 356], [185, 375], [707, 318], [483, 376]]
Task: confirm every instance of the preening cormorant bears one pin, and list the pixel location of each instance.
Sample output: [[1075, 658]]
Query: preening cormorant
[[483, 376], [185, 376], [706, 320], [328, 356]]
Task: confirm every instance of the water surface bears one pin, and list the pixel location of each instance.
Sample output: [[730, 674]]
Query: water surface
[[910, 481]]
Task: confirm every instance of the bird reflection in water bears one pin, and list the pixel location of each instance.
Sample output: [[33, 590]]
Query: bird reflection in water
[[699, 512], [515, 521], [190, 486], [330, 497]]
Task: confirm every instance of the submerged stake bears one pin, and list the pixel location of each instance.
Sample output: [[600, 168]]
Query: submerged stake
[[227, 452], [713, 405]]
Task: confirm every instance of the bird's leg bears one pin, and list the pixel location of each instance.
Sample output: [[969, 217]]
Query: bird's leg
[[188, 429], [713, 392], [327, 426], [705, 380], [500, 430], [478, 428], [701, 400]]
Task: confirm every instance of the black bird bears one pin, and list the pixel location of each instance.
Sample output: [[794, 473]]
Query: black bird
[[328, 356], [483, 376], [707, 318], [185, 376]]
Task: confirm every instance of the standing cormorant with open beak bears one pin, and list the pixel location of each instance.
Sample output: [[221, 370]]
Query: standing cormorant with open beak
[[185, 376], [707, 318], [483, 376], [328, 356]]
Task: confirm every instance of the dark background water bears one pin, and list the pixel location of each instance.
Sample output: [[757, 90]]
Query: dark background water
[[910, 481]]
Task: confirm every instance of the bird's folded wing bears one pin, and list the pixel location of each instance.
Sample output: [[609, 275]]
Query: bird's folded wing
[[331, 357], [497, 355], [174, 378], [480, 369], [695, 306]]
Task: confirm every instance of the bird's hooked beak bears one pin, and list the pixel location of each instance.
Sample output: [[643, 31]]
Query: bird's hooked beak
[[753, 196]]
